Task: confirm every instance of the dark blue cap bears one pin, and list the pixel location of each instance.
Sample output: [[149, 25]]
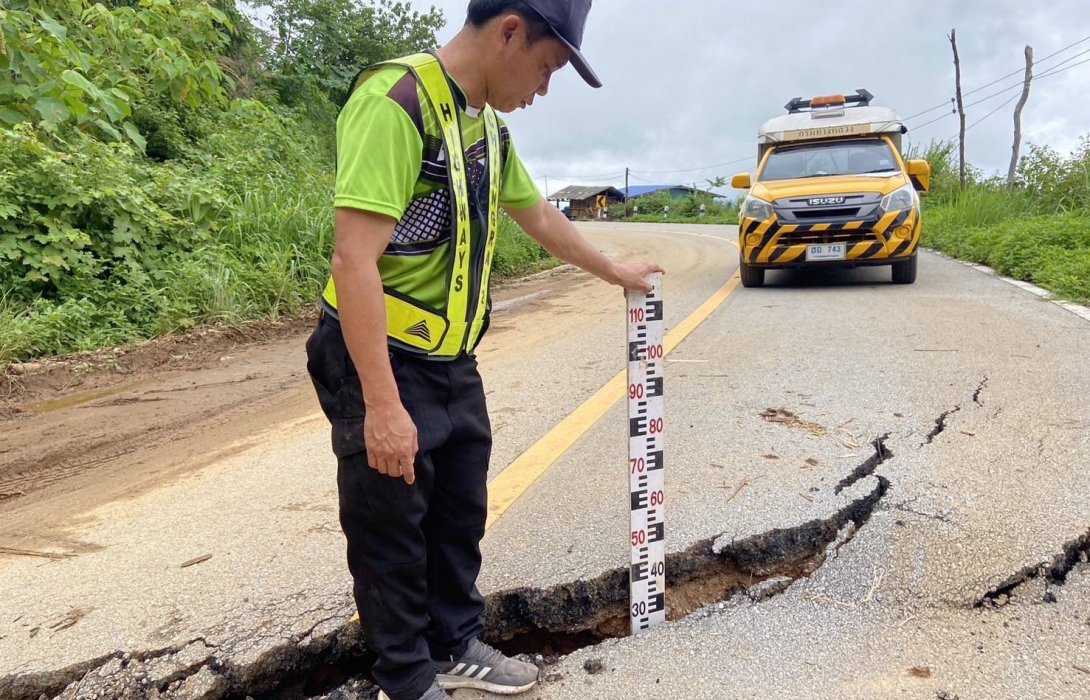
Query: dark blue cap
[[568, 19]]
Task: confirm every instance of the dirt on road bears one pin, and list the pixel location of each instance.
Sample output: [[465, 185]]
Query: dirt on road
[[83, 430], [79, 431]]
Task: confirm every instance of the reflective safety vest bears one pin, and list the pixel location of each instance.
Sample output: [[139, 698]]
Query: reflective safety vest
[[412, 325]]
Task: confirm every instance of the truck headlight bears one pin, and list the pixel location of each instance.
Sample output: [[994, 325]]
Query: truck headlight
[[754, 208], [900, 198]]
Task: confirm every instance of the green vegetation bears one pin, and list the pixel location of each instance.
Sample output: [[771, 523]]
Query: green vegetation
[[165, 164], [682, 211], [1037, 231], [516, 253]]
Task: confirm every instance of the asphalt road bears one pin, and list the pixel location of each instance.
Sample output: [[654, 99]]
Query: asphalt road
[[872, 491]]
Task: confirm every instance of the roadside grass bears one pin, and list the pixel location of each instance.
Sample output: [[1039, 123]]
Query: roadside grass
[[1051, 251], [516, 253], [269, 260], [1007, 231], [1037, 231]]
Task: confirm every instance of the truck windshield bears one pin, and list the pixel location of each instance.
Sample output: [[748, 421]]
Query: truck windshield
[[825, 159]]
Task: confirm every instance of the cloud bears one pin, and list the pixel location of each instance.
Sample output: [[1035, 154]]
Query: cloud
[[687, 83]]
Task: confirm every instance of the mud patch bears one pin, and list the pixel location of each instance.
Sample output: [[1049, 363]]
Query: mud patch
[[791, 420], [58, 382]]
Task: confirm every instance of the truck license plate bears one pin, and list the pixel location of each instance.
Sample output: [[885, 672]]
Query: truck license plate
[[826, 251]]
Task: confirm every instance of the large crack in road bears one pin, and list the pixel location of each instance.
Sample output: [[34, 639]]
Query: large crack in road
[[557, 620], [571, 616], [330, 659], [1039, 581]]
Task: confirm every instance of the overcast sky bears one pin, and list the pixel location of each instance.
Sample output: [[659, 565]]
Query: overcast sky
[[687, 82]]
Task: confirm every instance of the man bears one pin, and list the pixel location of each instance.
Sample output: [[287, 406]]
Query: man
[[424, 166]]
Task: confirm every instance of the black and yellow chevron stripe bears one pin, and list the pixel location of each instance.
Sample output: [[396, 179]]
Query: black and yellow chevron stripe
[[780, 244]]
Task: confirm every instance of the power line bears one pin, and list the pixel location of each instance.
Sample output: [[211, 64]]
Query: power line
[[1066, 60], [936, 119], [995, 94], [1055, 70], [1005, 103], [1052, 70], [926, 111], [581, 177], [690, 170], [1036, 63], [1002, 78]]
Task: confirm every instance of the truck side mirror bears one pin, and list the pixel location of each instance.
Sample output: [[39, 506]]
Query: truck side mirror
[[741, 181], [919, 171]]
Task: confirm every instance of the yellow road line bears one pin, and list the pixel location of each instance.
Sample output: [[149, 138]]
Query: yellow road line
[[528, 467]]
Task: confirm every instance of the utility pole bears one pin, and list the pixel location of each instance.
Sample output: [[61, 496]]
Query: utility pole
[[546, 185], [961, 107], [626, 193], [1018, 116]]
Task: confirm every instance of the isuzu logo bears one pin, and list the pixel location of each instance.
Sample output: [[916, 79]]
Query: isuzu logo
[[822, 201]]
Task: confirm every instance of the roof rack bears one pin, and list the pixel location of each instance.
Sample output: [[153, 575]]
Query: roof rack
[[861, 98]]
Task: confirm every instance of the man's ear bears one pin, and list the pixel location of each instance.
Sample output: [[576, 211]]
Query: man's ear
[[509, 27]]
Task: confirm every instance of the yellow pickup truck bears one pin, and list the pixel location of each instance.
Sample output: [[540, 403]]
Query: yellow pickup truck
[[831, 190]]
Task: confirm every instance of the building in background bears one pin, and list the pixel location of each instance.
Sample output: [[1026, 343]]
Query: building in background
[[586, 202], [676, 191]]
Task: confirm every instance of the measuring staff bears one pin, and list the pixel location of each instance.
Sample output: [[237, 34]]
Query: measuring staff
[[646, 463], [423, 167]]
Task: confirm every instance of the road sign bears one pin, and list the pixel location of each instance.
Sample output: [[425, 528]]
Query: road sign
[[646, 425]]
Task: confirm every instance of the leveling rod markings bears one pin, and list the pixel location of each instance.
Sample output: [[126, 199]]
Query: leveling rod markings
[[646, 424]]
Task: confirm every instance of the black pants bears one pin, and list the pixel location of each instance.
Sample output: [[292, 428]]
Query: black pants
[[414, 551]]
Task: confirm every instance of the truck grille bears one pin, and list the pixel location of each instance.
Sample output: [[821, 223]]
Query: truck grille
[[851, 207], [842, 212], [831, 236]]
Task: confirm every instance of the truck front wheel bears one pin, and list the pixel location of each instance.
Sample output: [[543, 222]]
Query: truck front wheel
[[905, 272], [751, 276]]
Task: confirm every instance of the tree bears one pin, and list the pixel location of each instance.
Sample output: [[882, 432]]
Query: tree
[[961, 107], [99, 70], [1018, 116], [324, 43]]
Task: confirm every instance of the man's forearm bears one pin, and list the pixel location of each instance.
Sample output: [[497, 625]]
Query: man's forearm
[[362, 310]]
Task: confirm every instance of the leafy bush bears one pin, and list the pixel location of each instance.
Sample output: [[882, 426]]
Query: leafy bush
[[1057, 183], [320, 45], [151, 180], [136, 197], [79, 209], [82, 65], [516, 252], [1037, 231]]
